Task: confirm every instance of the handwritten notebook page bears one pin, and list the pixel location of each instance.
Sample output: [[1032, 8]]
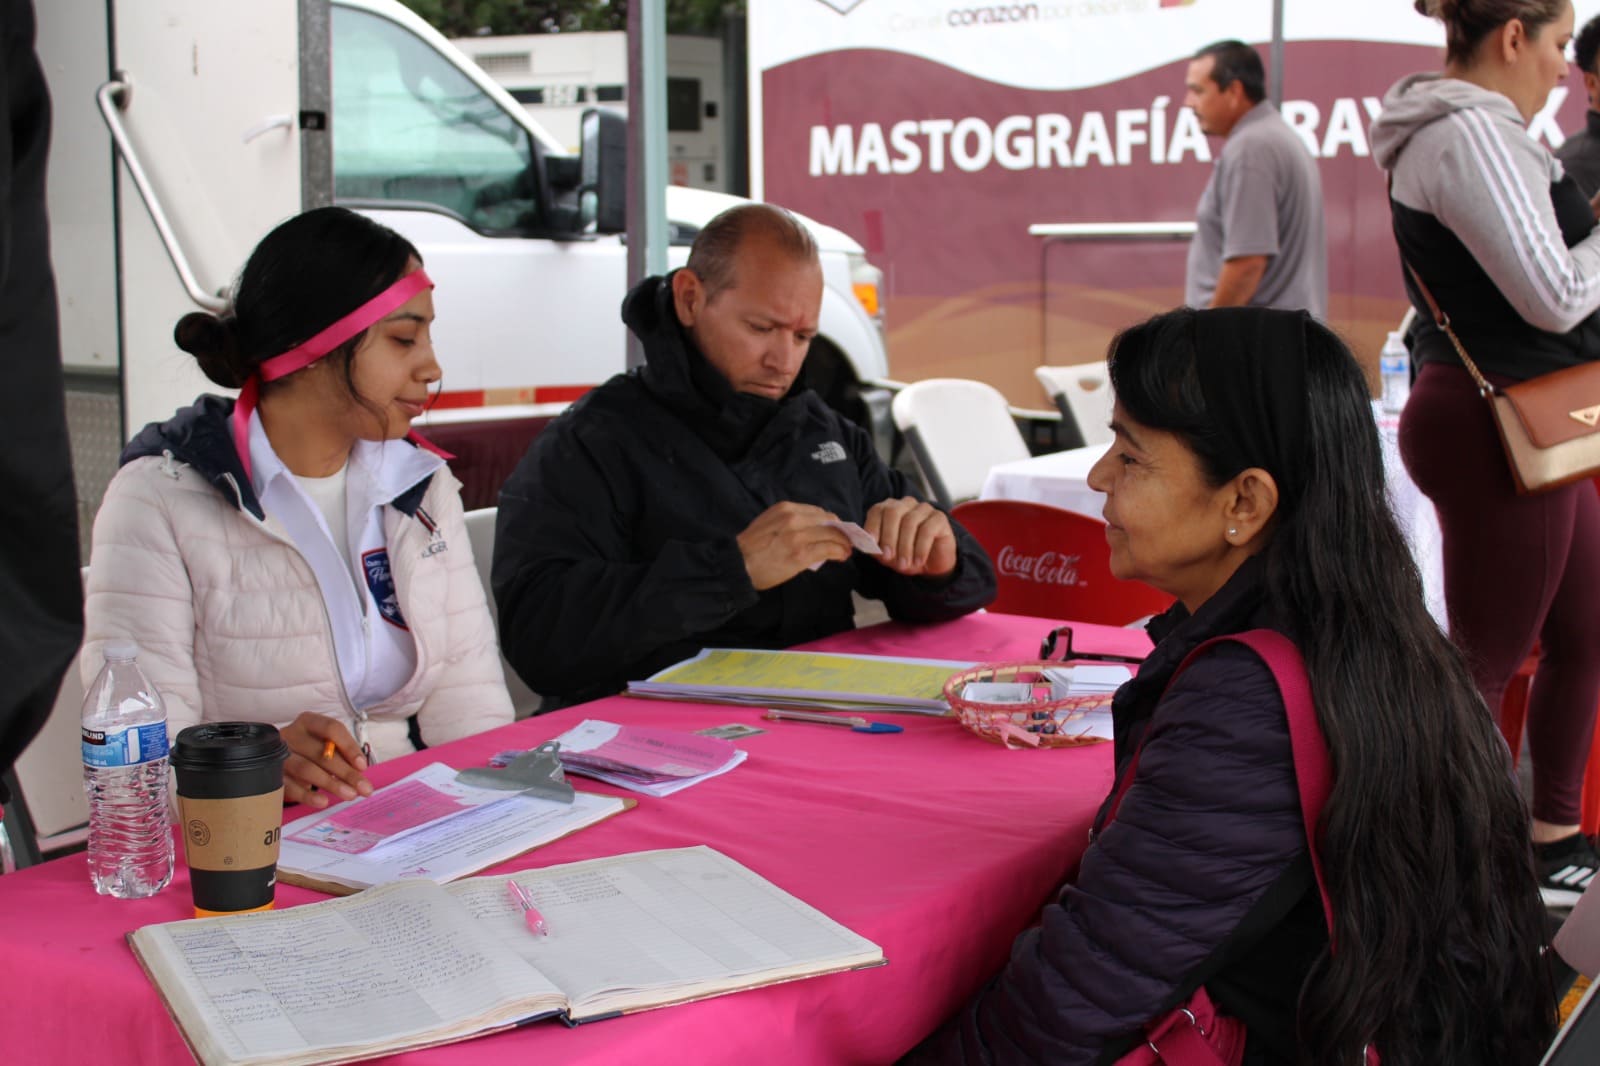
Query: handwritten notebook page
[[377, 969], [687, 918]]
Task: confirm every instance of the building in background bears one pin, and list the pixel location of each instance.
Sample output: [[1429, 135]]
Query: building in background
[[950, 140], [556, 75]]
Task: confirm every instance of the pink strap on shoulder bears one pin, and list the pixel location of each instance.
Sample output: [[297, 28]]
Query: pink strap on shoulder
[[1313, 769]]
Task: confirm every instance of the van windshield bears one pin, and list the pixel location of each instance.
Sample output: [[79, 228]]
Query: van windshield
[[409, 128]]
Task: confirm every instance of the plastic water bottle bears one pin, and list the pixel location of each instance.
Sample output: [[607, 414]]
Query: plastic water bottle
[[125, 774], [1394, 370]]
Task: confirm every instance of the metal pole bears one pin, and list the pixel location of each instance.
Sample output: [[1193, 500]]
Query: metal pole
[[1275, 92], [647, 148], [316, 105]]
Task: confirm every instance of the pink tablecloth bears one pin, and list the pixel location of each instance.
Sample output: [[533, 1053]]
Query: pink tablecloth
[[935, 845]]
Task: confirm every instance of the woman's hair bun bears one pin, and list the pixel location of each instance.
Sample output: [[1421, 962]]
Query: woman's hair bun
[[212, 342], [1445, 10]]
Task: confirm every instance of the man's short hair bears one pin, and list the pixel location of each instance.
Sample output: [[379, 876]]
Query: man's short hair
[[1586, 46], [1235, 61], [711, 257]]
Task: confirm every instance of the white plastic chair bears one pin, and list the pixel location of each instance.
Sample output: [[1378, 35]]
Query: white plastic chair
[[1083, 394], [480, 532], [957, 429]]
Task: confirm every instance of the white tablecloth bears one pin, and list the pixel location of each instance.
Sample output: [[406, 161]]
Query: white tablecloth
[[1061, 479]]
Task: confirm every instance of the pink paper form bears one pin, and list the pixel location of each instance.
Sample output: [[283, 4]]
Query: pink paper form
[[362, 826]]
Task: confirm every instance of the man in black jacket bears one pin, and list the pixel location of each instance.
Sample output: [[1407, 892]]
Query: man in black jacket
[[687, 504]]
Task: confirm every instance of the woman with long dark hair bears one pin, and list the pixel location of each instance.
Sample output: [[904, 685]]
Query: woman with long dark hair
[[297, 556], [1246, 479], [1507, 245]]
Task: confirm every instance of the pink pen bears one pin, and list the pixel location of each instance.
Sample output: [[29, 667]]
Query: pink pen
[[530, 913]]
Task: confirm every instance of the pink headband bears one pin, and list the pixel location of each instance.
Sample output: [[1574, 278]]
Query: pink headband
[[304, 354]]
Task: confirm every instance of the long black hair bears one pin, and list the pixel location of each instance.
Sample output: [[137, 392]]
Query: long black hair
[[308, 273], [1437, 924]]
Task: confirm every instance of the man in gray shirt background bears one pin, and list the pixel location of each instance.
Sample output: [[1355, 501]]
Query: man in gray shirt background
[[1580, 154], [1260, 239]]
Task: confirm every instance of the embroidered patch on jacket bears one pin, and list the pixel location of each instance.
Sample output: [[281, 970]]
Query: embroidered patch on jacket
[[830, 452], [380, 580]]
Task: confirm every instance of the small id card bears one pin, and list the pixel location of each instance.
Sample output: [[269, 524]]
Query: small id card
[[730, 731]]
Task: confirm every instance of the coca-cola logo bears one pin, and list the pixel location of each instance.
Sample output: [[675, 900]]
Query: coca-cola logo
[[1050, 568]]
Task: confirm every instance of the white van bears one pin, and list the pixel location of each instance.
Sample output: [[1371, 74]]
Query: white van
[[240, 115]]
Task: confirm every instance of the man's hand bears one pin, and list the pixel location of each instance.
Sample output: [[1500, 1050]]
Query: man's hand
[[787, 538], [915, 537]]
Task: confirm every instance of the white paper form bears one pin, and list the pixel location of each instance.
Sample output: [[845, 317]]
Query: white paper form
[[454, 848], [413, 803]]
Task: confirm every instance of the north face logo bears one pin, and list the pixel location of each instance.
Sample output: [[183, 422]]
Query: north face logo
[[830, 452]]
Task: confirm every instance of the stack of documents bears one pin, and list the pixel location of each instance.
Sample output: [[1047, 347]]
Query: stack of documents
[[657, 762], [427, 825], [805, 679], [1085, 679]]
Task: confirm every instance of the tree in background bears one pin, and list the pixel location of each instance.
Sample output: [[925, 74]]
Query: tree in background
[[471, 18]]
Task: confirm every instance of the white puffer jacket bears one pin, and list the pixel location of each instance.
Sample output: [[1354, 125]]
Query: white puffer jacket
[[228, 615]]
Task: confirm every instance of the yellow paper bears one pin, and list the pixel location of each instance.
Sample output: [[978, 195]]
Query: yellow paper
[[856, 677]]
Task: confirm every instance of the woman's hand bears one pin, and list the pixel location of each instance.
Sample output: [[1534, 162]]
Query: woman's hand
[[308, 776], [1594, 204]]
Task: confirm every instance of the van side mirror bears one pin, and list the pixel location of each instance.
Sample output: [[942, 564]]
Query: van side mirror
[[603, 161]]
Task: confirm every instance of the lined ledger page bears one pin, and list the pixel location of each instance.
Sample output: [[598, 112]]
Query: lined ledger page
[[378, 969], [688, 920]]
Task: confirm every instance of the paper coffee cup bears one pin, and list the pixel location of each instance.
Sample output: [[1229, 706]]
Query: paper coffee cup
[[230, 806]]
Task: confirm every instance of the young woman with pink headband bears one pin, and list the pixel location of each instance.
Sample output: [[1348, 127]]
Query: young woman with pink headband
[[298, 556]]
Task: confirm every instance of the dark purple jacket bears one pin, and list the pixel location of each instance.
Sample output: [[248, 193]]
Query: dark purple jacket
[[1204, 876]]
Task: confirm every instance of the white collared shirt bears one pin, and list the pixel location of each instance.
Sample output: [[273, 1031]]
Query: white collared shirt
[[371, 639]]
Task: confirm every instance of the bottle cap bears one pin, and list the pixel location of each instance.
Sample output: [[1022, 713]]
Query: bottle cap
[[1396, 340], [120, 651]]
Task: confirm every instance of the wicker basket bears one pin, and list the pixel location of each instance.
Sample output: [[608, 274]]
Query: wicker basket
[[1040, 722]]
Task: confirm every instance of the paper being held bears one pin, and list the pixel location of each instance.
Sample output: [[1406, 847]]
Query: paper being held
[[860, 539]]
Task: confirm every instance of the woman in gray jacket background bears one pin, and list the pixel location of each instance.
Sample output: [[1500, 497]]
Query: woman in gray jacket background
[[1507, 245]]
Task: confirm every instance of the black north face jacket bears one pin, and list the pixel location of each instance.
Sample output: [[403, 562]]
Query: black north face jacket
[[615, 552]]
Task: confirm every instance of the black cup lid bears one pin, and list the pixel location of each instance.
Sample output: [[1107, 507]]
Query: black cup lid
[[228, 746]]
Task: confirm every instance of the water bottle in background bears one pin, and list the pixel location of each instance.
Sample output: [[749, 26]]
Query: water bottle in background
[[125, 774], [1394, 370]]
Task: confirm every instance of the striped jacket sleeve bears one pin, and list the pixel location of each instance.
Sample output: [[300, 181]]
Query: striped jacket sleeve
[[1489, 182]]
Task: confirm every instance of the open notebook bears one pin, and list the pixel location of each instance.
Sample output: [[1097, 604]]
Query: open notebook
[[414, 963]]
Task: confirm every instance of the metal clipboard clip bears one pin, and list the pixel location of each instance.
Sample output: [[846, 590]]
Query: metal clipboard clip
[[537, 772]]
